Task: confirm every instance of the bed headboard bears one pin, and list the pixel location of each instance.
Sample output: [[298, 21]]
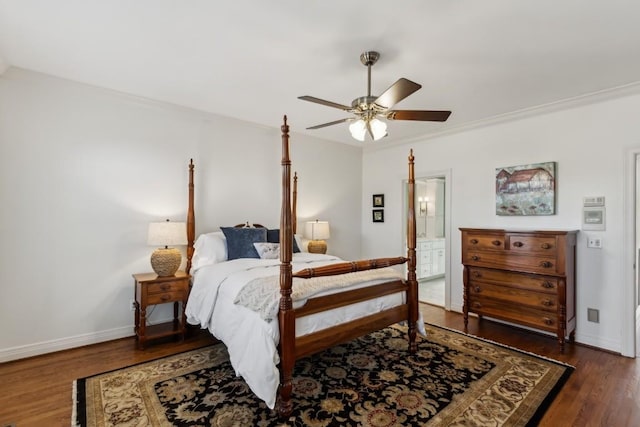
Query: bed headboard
[[191, 219]]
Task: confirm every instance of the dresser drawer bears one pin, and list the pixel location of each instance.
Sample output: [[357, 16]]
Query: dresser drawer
[[536, 283], [520, 262], [542, 245], [516, 297], [518, 314], [478, 242]]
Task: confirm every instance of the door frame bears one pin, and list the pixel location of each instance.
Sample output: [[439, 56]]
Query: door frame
[[629, 297]]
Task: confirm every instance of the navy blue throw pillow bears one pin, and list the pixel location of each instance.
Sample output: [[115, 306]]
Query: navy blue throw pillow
[[273, 236], [240, 241]]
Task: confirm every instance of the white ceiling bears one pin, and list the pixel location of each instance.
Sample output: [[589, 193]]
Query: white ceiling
[[251, 59]]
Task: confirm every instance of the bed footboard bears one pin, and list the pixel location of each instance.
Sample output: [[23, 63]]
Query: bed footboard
[[349, 267]]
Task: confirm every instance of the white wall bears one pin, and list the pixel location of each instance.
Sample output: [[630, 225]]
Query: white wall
[[84, 170], [588, 143]]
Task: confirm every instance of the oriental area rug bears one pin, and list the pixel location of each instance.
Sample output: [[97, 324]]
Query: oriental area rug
[[453, 380]]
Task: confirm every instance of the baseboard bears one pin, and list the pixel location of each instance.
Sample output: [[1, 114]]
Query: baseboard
[[30, 350], [588, 340]]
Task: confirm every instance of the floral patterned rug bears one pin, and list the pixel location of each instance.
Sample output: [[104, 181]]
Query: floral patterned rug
[[453, 380]]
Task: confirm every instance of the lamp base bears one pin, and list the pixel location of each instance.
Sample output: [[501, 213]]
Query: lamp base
[[317, 247], [166, 261]]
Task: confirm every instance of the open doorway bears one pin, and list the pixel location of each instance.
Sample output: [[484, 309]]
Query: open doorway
[[433, 218], [430, 244]]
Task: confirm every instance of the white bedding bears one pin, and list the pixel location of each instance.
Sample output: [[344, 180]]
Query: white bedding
[[250, 340]]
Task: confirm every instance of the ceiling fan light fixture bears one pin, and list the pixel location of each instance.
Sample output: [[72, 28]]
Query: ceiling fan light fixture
[[358, 129], [378, 129]]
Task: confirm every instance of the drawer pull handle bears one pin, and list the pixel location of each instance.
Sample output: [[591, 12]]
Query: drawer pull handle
[[475, 258], [547, 284], [477, 289], [165, 287], [547, 321], [165, 297], [545, 246], [546, 264], [477, 305], [474, 241], [477, 274], [518, 244], [496, 243], [547, 303]]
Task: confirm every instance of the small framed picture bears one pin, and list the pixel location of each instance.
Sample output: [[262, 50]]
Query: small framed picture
[[378, 200], [378, 215]]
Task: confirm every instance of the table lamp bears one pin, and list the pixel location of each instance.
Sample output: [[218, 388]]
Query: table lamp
[[166, 261], [317, 232]]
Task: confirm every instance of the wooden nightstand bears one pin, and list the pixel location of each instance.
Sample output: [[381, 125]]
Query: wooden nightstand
[[150, 289]]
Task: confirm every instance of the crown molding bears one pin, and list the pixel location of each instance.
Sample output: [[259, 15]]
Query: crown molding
[[561, 105]]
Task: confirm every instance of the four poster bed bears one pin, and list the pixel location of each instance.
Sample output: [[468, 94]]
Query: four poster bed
[[268, 316]]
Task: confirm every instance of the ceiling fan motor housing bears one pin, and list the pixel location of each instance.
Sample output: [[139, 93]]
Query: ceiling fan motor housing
[[364, 103]]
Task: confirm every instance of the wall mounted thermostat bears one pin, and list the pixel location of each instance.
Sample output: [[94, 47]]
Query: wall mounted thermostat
[[593, 213]]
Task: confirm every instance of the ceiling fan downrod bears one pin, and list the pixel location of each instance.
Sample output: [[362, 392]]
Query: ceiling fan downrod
[[368, 59]]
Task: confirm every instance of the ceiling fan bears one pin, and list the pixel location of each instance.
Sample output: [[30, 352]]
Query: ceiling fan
[[368, 110]]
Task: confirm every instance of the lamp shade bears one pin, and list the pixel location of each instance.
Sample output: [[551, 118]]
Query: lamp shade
[[378, 128], [167, 233], [359, 129], [317, 230]]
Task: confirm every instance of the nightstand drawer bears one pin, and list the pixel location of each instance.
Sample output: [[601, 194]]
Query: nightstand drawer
[[161, 298], [162, 287]]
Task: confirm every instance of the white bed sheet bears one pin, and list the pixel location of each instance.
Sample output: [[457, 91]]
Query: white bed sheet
[[252, 342]]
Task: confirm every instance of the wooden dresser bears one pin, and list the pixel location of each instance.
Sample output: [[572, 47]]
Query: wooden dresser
[[522, 277]]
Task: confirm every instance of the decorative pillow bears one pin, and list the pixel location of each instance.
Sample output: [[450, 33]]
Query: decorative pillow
[[303, 243], [273, 236], [240, 241], [268, 250], [209, 248]]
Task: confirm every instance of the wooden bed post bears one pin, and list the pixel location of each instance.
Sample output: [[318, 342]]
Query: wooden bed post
[[294, 213], [286, 316], [412, 294], [191, 221]]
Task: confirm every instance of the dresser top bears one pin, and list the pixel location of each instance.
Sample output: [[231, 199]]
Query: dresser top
[[498, 230]]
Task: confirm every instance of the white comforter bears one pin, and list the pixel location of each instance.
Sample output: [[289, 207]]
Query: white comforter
[[250, 340]]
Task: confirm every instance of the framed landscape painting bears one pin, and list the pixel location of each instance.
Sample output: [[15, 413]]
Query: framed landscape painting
[[526, 190]]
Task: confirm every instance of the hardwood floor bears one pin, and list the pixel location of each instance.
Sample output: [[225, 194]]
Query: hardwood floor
[[604, 390]]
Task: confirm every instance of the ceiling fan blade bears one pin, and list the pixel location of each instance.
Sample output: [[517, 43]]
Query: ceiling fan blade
[[331, 123], [422, 115], [323, 102], [397, 92]]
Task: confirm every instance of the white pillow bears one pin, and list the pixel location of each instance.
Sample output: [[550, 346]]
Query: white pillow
[[268, 250], [303, 244], [210, 248]]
